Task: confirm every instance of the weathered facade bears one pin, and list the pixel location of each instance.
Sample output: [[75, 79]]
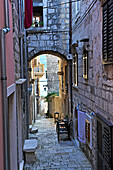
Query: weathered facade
[[93, 77], [53, 37], [49, 34], [52, 76], [20, 78], [8, 133]]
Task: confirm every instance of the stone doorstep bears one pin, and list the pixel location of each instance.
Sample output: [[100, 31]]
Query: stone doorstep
[[34, 130], [30, 127], [29, 149]]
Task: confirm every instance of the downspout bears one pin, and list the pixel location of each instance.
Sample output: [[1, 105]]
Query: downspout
[[70, 42], [26, 76], [21, 37], [3, 32]]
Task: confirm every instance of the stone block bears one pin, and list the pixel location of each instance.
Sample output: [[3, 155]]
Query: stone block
[[34, 130], [29, 149]]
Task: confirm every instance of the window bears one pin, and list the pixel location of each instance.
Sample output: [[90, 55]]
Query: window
[[108, 32], [38, 16], [75, 69], [87, 130], [77, 7], [85, 64], [34, 62], [40, 68]]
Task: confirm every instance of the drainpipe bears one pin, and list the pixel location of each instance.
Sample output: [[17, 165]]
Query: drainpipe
[[26, 76], [6, 8], [70, 42], [3, 32], [21, 37]]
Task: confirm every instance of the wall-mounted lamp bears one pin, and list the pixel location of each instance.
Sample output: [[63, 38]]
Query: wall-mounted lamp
[[73, 47], [86, 40]]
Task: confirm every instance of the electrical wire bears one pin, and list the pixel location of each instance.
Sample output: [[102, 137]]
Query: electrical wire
[[61, 4]]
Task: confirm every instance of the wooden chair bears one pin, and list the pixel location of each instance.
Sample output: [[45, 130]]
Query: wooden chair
[[63, 127], [56, 116]]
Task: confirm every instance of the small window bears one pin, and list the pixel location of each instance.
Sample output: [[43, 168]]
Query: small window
[[108, 32], [38, 16], [34, 63], [75, 70], [87, 130], [85, 64], [40, 68], [62, 78]]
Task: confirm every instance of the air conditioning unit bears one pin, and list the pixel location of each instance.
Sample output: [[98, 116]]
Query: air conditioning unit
[[70, 57]]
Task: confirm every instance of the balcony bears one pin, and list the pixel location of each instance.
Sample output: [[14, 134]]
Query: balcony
[[38, 71], [38, 74]]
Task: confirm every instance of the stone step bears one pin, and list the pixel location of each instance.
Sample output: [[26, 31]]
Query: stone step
[[34, 130]]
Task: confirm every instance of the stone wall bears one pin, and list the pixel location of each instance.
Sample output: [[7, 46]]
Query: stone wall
[[54, 36], [16, 39], [52, 76], [21, 116], [96, 93]]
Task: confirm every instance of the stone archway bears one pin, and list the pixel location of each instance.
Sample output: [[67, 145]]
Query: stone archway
[[35, 52]]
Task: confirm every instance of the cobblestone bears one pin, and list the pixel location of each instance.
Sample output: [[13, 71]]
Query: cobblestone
[[51, 154]]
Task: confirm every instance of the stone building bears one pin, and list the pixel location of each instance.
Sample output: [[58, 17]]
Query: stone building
[[52, 76], [21, 111], [92, 44], [12, 103], [49, 34]]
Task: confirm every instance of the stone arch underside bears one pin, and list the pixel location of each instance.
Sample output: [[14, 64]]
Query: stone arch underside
[[47, 50]]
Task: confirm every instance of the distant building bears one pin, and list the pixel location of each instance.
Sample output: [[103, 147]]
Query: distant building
[[52, 76]]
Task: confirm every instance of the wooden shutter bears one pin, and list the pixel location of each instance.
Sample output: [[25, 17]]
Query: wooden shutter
[[85, 64], [105, 32], [104, 145], [34, 62], [107, 145], [108, 32]]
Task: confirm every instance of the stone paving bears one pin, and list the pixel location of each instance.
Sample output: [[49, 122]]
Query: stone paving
[[51, 154]]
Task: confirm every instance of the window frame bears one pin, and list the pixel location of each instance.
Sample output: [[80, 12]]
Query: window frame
[[75, 70], [85, 64], [35, 23]]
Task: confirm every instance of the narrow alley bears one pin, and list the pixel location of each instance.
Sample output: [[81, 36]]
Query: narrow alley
[[56, 62], [51, 154]]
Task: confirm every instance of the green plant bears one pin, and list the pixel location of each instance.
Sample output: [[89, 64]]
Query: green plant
[[48, 97], [66, 116]]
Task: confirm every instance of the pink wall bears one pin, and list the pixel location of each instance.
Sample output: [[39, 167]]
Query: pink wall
[[1, 131], [9, 51], [1, 121], [10, 70], [1, 14]]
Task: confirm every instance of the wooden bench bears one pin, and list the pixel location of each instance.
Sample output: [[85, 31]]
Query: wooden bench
[[63, 127]]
